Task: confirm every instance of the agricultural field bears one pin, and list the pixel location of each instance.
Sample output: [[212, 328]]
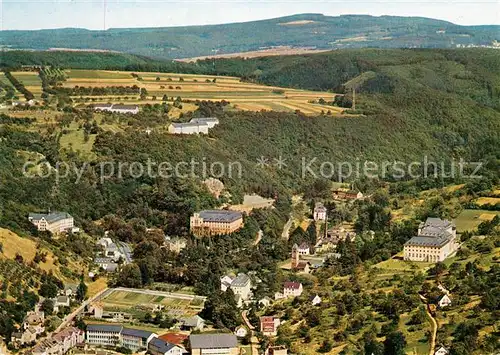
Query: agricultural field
[[243, 96], [31, 81], [470, 219], [176, 306], [488, 200]]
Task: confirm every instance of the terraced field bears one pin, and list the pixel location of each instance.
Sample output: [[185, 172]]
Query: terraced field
[[243, 96]]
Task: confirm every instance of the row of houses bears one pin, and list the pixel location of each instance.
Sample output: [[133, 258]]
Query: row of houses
[[60, 343]]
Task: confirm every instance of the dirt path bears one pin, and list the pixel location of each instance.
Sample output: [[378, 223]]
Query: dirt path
[[434, 326], [286, 229]]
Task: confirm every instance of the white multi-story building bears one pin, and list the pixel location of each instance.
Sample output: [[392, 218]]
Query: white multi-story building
[[117, 335], [54, 222], [241, 286], [436, 240], [195, 126], [159, 346]]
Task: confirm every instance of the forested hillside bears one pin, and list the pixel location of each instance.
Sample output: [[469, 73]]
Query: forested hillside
[[305, 30]]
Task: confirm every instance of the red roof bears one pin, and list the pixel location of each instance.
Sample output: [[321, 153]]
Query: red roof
[[174, 338], [292, 284]]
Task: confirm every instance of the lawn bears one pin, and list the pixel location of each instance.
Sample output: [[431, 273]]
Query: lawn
[[470, 219], [74, 138]]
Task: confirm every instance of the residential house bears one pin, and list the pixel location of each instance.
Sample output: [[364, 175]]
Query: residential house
[[269, 325], [192, 323], [106, 264], [159, 346], [444, 301], [215, 222], [436, 240], [60, 301], [316, 300], [69, 290], [54, 222], [319, 213], [178, 339], [213, 344], [69, 338], [26, 336], [242, 286], [292, 289], [441, 351], [241, 331]]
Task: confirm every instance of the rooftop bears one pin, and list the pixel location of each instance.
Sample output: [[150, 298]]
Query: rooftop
[[426, 241], [162, 345], [212, 341], [136, 333], [104, 328], [240, 281], [50, 217], [220, 215], [125, 107], [292, 284]]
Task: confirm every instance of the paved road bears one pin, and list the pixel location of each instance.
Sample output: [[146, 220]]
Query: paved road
[[254, 341], [69, 318]]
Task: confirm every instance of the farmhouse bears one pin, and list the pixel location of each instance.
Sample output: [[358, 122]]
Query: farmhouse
[[436, 240], [195, 126], [54, 222], [215, 222], [319, 212], [213, 344], [133, 109], [269, 325]]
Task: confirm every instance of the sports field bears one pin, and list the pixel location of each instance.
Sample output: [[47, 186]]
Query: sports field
[[242, 95]]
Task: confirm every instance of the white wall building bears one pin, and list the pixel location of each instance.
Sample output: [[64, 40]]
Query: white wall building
[[54, 222]]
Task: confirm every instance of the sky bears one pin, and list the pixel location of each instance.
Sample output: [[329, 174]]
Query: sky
[[104, 14]]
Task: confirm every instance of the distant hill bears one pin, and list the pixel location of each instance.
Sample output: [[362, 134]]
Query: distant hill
[[305, 30]]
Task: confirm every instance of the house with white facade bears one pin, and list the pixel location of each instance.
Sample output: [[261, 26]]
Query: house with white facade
[[316, 300], [241, 331], [444, 301], [319, 213], [195, 126], [441, 351], [159, 346], [241, 286], [292, 289], [117, 108]]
